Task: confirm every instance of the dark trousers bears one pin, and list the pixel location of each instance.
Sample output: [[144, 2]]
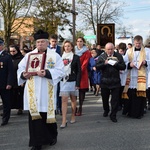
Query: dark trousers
[[17, 98], [120, 96], [105, 92], [41, 133], [148, 95], [58, 97], [6, 99], [136, 104]]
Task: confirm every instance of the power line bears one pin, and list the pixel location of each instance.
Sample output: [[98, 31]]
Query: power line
[[138, 9]]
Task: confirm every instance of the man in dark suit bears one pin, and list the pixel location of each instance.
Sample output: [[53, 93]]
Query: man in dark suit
[[53, 46], [110, 63], [6, 81]]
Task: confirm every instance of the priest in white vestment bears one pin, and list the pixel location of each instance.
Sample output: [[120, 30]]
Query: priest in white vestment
[[39, 92], [135, 88]]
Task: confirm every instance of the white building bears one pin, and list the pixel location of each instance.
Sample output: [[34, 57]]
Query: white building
[[123, 40]]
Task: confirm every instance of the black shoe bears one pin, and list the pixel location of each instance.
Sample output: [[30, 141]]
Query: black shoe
[[20, 112], [139, 117], [53, 142], [4, 123], [113, 119], [105, 114], [36, 148]]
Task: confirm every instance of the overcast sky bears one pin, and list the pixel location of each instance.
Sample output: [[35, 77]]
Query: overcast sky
[[137, 15]]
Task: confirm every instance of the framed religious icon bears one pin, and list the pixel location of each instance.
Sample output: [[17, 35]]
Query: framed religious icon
[[105, 34], [36, 62]]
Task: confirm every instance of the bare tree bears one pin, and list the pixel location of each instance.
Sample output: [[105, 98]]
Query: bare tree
[[124, 31], [99, 11], [12, 10]]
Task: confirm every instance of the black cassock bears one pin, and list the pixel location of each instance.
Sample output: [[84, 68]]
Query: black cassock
[[136, 104], [41, 133]]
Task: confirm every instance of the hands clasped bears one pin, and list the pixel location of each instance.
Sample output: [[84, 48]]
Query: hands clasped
[[40, 73]]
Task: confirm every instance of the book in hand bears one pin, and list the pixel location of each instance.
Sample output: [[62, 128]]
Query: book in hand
[[36, 62], [137, 64], [112, 62]]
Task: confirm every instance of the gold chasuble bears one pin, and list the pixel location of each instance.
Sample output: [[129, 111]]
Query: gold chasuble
[[141, 81]]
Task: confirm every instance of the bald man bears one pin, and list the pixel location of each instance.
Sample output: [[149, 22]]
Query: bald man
[[110, 63]]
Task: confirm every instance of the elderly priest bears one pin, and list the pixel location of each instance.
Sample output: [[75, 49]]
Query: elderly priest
[[41, 69]]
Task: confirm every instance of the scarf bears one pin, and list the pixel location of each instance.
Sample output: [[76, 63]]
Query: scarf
[[141, 81], [33, 109], [79, 52], [67, 59]]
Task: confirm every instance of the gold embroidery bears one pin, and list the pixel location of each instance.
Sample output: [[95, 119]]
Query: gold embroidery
[[51, 112], [32, 101]]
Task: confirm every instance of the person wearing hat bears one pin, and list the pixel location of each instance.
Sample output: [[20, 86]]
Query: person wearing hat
[[39, 91], [6, 82]]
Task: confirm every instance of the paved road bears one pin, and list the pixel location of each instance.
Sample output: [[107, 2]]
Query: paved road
[[91, 131]]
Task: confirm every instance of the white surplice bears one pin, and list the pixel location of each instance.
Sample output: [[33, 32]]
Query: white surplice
[[134, 70], [41, 83], [123, 73]]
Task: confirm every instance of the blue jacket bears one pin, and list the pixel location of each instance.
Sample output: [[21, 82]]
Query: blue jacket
[[95, 75]]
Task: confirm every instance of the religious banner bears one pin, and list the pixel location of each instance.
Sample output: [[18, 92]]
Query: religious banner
[[105, 34], [36, 62]]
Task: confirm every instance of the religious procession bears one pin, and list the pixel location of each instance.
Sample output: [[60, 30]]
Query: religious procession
[[41, 73]]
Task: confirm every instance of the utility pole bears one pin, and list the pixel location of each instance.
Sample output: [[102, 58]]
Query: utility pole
[[73, 29], [74, 22]]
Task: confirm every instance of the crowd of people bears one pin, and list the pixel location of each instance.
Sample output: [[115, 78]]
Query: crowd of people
[[120, 74]]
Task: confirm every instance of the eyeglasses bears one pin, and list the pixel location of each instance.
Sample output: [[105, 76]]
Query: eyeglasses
[[12, 51], [79, 41]]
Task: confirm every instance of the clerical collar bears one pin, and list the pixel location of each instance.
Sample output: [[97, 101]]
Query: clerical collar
[[137, 49]]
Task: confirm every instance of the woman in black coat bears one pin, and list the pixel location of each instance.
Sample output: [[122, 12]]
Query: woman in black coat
[[17, 91], [71, 82]]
